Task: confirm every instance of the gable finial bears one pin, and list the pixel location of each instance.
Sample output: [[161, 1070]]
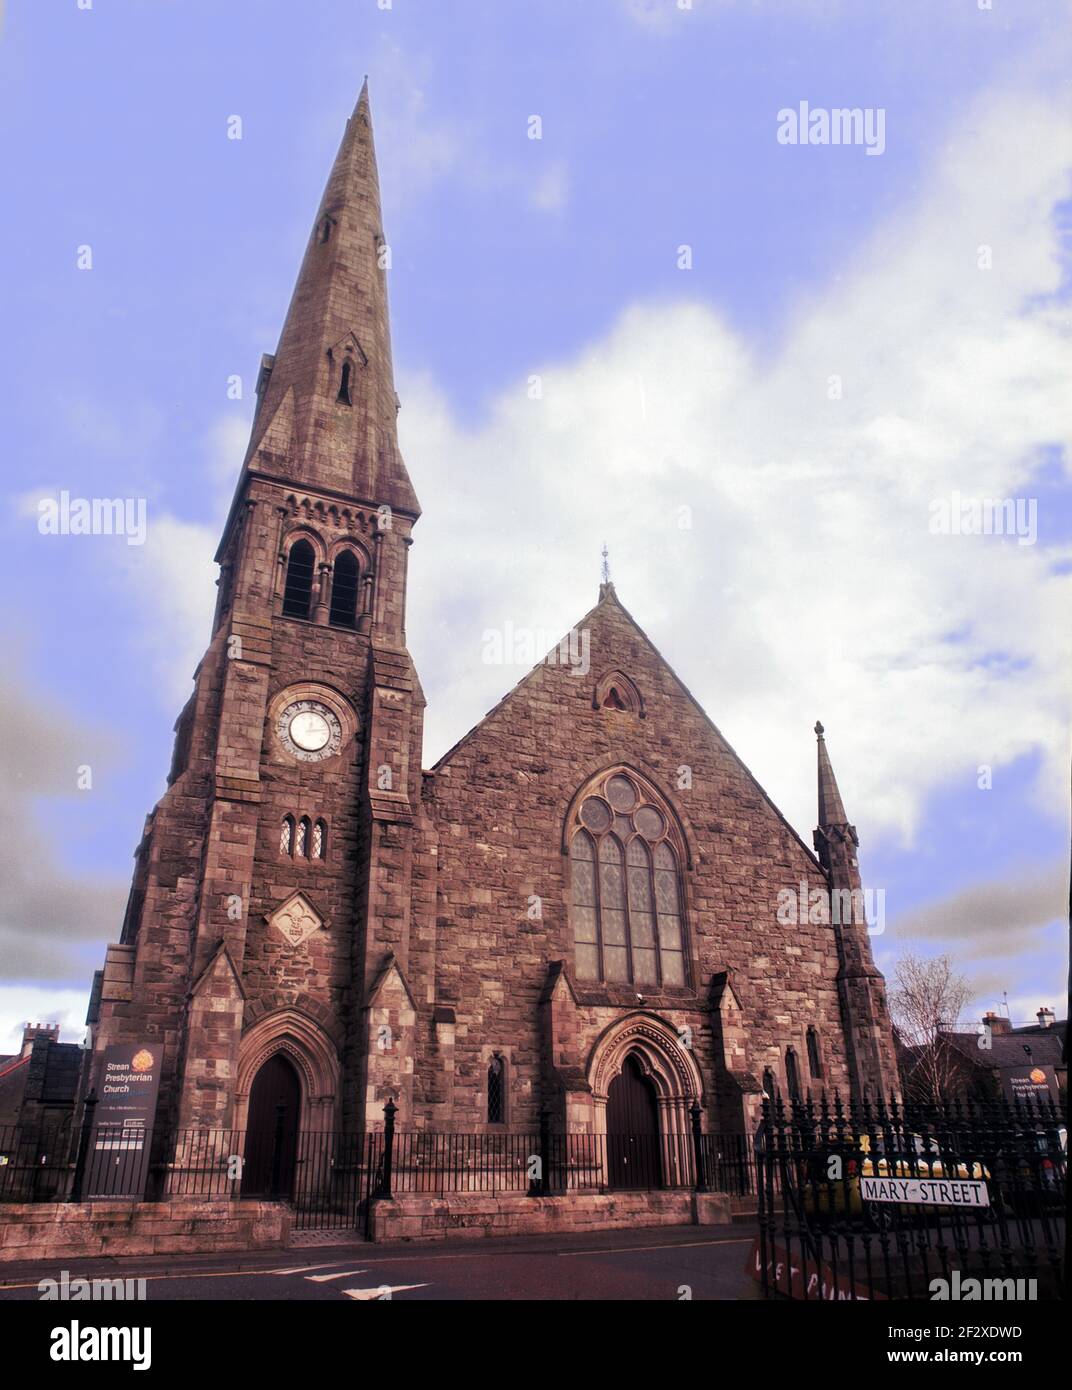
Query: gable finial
[[606, 564]]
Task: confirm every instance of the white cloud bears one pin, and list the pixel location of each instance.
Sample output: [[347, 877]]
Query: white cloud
[[21, 1004], [809, 584]]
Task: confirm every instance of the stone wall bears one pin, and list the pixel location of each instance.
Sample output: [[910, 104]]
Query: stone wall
[[179, 1225], [505, 1214]]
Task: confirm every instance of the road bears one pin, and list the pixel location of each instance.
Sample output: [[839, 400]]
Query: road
[[667, 1263]]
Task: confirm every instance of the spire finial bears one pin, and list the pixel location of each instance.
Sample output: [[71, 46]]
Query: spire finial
[[819, 730], [606, 564]]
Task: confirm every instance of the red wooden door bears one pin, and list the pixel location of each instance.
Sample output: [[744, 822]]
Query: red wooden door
[[272, 1130], [632, 1129]]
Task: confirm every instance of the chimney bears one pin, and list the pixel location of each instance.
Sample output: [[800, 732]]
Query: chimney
[[997, 1023], [1046, 1017], [38, 1030]]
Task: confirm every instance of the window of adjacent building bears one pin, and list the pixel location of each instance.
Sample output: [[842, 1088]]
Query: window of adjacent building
[[298, 592], [344, 585], [626, 892], [496, 1091]]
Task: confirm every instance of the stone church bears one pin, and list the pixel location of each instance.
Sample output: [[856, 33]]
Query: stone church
[[575, 911]]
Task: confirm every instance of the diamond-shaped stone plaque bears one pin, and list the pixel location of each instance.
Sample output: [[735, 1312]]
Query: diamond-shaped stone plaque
[[297, 919]]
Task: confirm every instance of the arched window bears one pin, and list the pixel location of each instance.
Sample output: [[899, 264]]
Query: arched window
[[286, 835], [344, 397], [626, 893], [319, 846], [496, 1091], [298, 593], [792, 1074], [301, 839], [344, 583], [815, 1061]]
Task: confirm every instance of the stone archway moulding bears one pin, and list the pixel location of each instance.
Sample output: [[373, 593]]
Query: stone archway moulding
[[313, 1054]]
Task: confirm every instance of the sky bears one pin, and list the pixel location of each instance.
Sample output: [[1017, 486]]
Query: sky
[[760, 372]]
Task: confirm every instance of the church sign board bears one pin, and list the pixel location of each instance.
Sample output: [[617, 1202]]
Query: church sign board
[[1029, 1082], [127, 1086]]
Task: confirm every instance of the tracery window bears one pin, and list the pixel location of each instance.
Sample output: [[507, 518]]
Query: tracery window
[[286, 835], [344, 582], [319, 846], [301, 841], [626, 891]]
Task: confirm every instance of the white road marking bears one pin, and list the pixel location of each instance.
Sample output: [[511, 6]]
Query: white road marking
[[372, 1295], [342, 1274], [302, 1269]]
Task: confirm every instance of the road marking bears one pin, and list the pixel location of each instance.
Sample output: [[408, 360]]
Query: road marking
[[372, 1295], [675, 1245], [342, 1274], [302, 1269]]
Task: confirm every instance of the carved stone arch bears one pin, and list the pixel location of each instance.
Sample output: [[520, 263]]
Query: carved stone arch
[[615, 690], [302, 532], [656, 1046], [364, 560], [682, 833], [669, 1067], [315, 1058]]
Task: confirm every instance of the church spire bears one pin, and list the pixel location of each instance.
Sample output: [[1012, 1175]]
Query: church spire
[[327, 404], [831, 809]]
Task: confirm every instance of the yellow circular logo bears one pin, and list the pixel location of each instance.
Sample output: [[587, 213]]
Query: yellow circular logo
[[142, 1061], [1038, 1076]]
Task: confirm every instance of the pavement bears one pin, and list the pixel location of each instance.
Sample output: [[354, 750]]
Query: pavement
[[668, 1263]]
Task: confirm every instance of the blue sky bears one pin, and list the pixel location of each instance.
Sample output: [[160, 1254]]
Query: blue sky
[[807, 584]]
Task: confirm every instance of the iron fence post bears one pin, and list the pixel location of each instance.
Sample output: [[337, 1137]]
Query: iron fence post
[[696, 1113], [545, 1153], [82, 1154], [390, 1110]]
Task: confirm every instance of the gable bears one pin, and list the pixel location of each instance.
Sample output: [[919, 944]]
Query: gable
[[561, 703]]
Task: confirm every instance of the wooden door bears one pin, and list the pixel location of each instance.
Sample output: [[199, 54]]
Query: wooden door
[[272, 1130], [632, 1129]]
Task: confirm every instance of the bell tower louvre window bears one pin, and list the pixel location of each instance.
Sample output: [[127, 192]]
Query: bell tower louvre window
[[298, 592], [344, 587]]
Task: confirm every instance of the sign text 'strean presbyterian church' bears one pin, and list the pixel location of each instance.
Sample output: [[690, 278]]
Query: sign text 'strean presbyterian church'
[[318, 924]]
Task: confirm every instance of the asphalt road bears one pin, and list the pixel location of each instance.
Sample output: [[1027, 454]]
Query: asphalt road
[[668, 1264]]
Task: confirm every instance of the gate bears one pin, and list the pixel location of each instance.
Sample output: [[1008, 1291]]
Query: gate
[[906, 1201]]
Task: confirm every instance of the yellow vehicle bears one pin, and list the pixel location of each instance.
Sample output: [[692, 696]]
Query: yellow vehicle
[[830, 1188]]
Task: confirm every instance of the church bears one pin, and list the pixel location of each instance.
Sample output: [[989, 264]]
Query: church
[[572, 919]]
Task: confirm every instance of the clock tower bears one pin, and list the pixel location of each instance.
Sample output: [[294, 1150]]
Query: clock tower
[[269, 915]]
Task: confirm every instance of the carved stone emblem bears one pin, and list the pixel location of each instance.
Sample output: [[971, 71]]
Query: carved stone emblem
[[296, 919]]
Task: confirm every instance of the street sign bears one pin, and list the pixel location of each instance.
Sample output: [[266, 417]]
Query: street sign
[[926, 1192]]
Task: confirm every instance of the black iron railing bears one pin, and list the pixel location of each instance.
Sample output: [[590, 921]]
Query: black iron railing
[[889, 1200]]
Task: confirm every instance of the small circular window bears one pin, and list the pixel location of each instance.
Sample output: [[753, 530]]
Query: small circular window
[[595, 814], [621, 794], [649, 822]]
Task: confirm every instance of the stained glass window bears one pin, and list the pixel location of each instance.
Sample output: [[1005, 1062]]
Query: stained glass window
[[626, 901]]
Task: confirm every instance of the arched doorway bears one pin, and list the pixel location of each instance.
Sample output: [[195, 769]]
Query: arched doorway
[[271, 1148], [632, 1129]]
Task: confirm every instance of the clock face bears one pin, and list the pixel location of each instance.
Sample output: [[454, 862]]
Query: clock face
[[309, 730]]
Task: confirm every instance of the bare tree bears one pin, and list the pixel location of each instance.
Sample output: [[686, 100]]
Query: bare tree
[[927, 1001]]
